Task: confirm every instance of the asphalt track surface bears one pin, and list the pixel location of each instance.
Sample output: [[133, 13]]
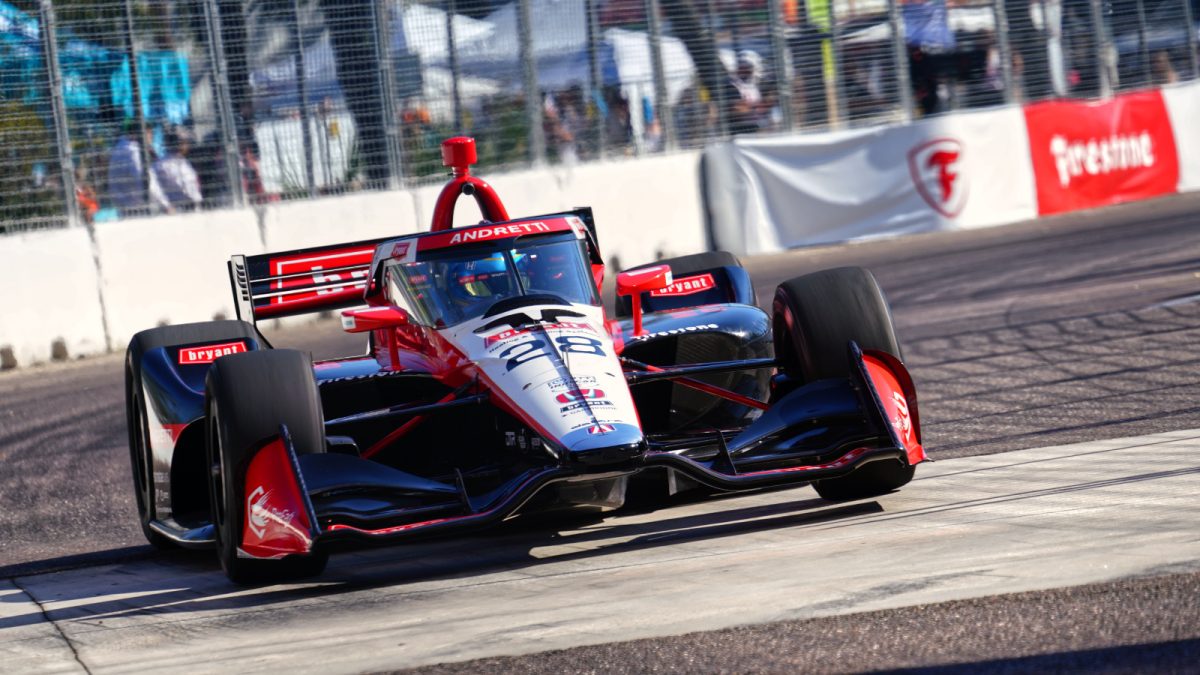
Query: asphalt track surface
[[1066, 330]]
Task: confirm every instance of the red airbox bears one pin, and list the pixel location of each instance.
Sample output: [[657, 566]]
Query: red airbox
[[458, 152]]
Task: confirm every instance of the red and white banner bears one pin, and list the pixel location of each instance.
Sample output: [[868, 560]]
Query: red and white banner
[[1089, 154]]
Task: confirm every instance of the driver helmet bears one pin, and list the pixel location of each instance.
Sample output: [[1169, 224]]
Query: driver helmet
[[478, 280]]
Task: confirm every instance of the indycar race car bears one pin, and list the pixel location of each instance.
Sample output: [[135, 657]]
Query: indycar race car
[[494, 383]]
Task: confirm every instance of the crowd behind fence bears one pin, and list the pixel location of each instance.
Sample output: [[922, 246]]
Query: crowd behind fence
[[113, 109]]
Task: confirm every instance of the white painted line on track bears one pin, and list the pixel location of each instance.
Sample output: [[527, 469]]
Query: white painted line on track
[[1187, 300], [968, 527]]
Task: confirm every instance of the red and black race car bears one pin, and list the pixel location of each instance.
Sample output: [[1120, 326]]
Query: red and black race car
[[494, 383]]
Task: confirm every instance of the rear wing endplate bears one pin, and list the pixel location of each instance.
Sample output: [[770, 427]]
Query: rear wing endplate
[[303, 281]]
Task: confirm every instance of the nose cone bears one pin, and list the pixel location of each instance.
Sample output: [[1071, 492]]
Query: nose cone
[[605, 443]]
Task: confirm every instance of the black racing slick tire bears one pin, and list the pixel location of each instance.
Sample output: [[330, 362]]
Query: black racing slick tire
[[682, 266], [136, 420], [248, 396], [814, 317]]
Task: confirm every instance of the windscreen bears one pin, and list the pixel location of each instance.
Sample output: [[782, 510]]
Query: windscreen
[[457, 285]]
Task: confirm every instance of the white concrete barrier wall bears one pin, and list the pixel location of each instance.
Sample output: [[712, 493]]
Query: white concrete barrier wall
[[170, 269], [52, 295], [333, 220]]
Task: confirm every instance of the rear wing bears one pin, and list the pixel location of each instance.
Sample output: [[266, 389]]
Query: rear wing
[[303, 281]]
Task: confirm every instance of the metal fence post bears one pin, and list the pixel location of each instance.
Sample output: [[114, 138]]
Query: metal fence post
[[455, 71], [1143, 45], [1190, 20], [721, 95], [596, 74], [1100, 35], [62, 134], [533, 97], [391, 107], [220, 80], [900, 53], [1004, 51], [783, 64], [305, 111], [662, 100], [1193, 57], [135, 79]]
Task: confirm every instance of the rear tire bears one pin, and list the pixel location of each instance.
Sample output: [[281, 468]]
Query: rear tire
[[248, 397], [136, 420], [814, 317]]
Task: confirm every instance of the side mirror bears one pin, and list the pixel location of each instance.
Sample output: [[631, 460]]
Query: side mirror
[[635, 282], [373, 318]]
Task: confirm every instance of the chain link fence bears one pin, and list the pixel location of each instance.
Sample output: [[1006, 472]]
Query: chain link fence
[[114, 109]]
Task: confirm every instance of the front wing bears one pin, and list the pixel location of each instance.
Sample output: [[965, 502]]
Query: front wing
[[822, 430]]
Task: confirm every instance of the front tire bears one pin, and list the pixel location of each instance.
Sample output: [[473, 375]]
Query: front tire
[[814, 317], [248, 397]]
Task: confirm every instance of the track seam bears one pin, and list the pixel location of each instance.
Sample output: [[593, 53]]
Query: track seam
[[52, 622]]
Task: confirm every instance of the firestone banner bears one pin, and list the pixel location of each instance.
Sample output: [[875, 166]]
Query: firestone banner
[[1086, 155]]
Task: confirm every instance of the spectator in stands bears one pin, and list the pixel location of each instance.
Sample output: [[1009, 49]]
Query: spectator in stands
[[85, 195], [617, 125], [1163, 70], [747, 114], [696, 116], [563, 123], [127, 179], [176, 174]]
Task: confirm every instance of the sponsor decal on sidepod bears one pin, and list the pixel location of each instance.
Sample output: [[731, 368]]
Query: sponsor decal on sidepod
[[676, 331], [209, 353], [686, 286]]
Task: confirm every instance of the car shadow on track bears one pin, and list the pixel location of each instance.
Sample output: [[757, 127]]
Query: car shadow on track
[[140, 584]]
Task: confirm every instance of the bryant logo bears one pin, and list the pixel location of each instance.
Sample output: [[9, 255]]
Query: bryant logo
[[686, 286], [209, 353], [937, 170]]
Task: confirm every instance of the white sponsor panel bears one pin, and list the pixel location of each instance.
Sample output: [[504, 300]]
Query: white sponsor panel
[[564, 375], [955, 171], [1183, 107], [52, 296]]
